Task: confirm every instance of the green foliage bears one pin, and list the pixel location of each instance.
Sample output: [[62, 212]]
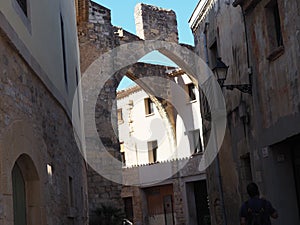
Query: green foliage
[[109, 215]]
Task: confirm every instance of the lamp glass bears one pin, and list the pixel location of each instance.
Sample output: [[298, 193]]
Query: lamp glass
[[221, 73], [220, 70]]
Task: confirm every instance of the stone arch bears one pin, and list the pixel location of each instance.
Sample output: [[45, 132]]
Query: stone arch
[[22, 146], [139, 72], [99, 77], [165, 108]]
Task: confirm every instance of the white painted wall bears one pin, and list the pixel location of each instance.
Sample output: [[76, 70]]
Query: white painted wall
[[144, 128], [188, 118], [148, 128]]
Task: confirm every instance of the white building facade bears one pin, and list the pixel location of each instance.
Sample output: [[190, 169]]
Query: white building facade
[[143, 132], [163, 184]]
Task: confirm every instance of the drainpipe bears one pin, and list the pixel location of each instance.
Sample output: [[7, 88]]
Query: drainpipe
[[218, 170]]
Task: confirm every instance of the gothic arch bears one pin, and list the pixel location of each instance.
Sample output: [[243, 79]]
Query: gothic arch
[[99, 77]]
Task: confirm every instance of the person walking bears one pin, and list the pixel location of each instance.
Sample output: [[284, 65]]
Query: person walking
[[256, 211]]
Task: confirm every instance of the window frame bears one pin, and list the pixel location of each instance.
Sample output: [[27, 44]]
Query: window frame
[[23, 5], [120, 116], [149, 107], [64, 52], [196, 145], [152, 151], [123, 159], [25, 17], [191, 92], [122, 154], [274, 30]]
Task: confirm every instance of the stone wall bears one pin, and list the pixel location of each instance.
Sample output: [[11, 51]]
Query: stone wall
[[221, 33], [276, 104], [154, 23], [257, 122], [188, 172], [138, 202], [276, 68], [97, 36], [34, 125], [82, 10]]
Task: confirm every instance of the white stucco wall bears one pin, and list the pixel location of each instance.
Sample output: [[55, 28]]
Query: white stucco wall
[[145, 128], [188, 118], [148, 128]]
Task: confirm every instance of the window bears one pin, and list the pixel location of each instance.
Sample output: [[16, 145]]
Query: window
[[196, 144], [78, 95], [120, 116], [62, 32], [123, 160], [152, 151], [71, 192], [277, 25], [22, 9], [274, 29], [23, 5], [149, 106], [191, 89], [122, 150]]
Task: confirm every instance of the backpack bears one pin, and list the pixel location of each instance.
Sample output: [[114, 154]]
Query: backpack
[[256, 216]]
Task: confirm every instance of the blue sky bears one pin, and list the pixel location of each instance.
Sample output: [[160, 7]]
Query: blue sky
[[122, 13]]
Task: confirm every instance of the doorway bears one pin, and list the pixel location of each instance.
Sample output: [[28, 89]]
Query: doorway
[[197, 200]]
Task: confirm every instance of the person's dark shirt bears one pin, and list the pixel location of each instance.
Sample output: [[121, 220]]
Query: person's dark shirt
[[256, 204]]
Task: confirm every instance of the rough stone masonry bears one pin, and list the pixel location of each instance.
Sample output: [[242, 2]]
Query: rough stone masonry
[[154, 23], [97, 36]]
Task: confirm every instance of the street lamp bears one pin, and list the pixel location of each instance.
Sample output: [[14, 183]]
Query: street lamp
[[220, 70]]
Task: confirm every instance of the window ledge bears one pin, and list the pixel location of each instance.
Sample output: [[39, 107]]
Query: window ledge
[[276, 53], [191, 102], [151, 114], [197, 153]]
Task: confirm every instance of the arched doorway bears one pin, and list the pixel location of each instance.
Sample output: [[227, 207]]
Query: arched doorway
[[26, 192]]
